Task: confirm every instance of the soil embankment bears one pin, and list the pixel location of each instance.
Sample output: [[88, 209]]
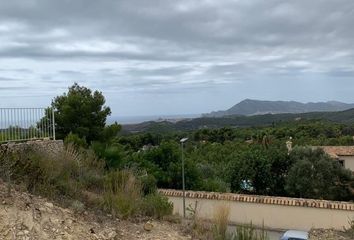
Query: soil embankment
[[24, 216]]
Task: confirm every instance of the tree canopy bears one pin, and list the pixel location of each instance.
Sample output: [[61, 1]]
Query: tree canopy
[[315, 175], [80, 111]]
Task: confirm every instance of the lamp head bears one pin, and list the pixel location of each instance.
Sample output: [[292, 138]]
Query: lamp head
[[183, 140]]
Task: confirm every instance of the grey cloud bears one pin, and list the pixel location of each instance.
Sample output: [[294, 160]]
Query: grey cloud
[[70, 72], [347, 73], [13, 88], [18, 70], [179, 31], [174, 71], [227, 25], [9, 79], [161, 46]]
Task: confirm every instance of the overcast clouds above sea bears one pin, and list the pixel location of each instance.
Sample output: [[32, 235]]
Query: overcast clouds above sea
[[176, 57]]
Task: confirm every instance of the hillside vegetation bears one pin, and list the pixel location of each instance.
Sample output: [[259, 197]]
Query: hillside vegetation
[[344, 117], [123, 170], [77, 178], [115, 172]]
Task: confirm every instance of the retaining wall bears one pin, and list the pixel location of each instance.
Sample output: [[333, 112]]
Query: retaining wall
[[49, 146], [280, 213]]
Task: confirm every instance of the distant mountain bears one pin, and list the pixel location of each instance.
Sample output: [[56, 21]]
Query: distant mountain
[[251, 107]]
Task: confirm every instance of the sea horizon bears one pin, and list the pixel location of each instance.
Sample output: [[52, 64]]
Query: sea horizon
[[139, 119]]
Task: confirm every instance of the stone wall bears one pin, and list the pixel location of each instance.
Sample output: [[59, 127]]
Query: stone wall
[[275, 212], [48, 146]]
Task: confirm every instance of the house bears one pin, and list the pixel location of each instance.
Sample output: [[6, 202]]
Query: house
[[343, 154]]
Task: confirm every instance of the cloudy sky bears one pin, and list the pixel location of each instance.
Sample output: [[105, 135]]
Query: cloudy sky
[[154, 57]]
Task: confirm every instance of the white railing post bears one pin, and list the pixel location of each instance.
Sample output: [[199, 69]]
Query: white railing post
[[53, 122]]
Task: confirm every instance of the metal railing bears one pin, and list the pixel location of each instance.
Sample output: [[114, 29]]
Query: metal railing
[[23, 124]]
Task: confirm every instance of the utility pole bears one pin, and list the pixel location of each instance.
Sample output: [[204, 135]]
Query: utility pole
[[183, 140]]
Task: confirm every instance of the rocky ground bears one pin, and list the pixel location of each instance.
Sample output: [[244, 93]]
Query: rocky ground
[[325, 234], [27, 217]]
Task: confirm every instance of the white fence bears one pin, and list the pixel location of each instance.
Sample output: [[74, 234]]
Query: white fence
[[22, 124]]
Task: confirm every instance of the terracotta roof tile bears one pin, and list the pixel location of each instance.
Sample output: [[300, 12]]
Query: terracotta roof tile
[[336, 151]]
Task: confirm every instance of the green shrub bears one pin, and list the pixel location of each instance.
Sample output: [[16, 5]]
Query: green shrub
[[77, 206], [155, 205], [74, 139], [92, 171], [148, 184], [77, 178], [214, 185]]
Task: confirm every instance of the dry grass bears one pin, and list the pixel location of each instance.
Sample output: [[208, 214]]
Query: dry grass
[[350, 229], [249, 232], [195, 225], [221, 221], [122, 193], [217, 229]]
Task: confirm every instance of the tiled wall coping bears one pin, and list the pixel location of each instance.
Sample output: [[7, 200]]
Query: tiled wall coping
[[285, 201]]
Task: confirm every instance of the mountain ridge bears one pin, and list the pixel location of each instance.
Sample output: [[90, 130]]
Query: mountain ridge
[[250, 107]]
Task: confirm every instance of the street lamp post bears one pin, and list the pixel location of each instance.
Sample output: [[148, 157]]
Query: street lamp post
[[183, 140]]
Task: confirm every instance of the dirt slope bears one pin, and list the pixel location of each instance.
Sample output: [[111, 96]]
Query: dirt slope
[[24, 216]]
